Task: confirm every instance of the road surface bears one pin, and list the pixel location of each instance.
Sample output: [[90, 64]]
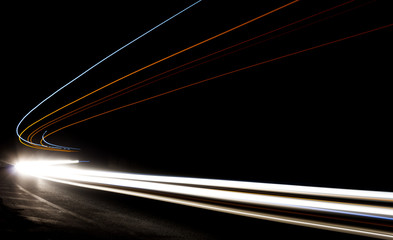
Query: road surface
[[42, 209]]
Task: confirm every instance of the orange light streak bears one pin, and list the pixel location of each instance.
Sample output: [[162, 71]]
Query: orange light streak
[[161, 60], [105, 99], [222, 75]]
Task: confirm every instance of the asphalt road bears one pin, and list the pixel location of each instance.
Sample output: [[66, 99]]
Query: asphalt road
[[40, 209]]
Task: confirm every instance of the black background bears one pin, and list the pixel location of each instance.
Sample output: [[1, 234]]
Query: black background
[[317, 118]]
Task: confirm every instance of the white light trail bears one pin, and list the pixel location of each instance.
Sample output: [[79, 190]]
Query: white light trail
[[245, 185], [247, 213], [40, 167], [226, 192]]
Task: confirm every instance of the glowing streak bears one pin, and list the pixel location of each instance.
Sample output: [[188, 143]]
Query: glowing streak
[[48, 170], [123, 91], [54, 145], [217, 183], [110, 55], [245, 185], [247, 198], [222, 192], [221, 75], [148, 66], [247, 213], [40, 166]]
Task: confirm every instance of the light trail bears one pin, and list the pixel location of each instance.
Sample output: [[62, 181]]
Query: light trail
[[35, 165], [26, 142], [54, 145], [325, 208], [141, 69], [129, 88], [246, 185], [221, 75], [368, 213]]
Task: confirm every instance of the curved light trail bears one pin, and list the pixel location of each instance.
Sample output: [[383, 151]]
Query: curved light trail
[[220, 75], [367, 213], [54, 145], [102, 100], [148, 66], [133, 87], [24, 141]]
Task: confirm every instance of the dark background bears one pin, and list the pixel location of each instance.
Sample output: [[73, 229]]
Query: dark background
[[318, 118]]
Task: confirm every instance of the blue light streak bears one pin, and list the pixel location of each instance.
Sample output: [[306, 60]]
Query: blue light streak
[[343, 212], [83, 73], [54, 145]]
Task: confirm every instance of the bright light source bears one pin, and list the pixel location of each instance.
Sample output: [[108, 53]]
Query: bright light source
[[40, 166]]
